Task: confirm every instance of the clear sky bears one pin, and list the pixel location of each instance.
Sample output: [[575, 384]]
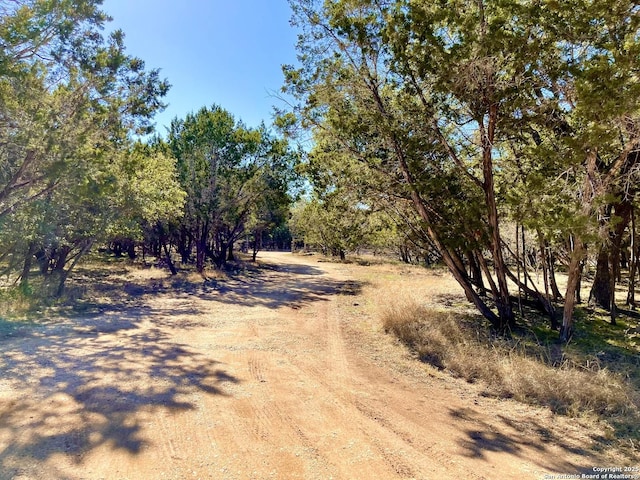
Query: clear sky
[[227, 52]]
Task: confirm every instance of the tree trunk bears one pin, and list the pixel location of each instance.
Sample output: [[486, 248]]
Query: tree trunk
[[542, 301], [524, 255], [612, 290], [167, 255], [61, 258], [552, 277], [545, 267], [43, 261], [503, 301], [257, 243], [600, 294], [623, 211], [577, 256], [201, 248], [459, 274], [633, 263], [579, 285], [464, 281], [116, 248], [64, 274], [590, 188], [608, 264], [131, 249], [184, 246], [475, 272], [26, 268], [487, 272], [518, 270]]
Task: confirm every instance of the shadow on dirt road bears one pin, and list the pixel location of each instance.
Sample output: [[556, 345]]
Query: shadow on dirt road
[[93, 381], [269, 285], [94, 384]]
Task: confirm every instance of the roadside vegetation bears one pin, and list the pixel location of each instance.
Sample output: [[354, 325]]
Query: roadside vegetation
[[520, 366], [596, 376], [445, 122]]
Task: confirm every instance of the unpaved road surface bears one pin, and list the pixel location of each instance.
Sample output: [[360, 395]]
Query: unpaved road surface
[[271, 375]]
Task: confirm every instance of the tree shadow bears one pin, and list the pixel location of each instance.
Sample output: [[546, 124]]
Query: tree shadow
[[514, 437], [92, 378], [73, 387], [15, 328], [268, 285], [294, 268], [286, 286]]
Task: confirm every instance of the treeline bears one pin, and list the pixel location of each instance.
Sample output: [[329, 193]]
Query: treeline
[[238, 184], [73, 175], [454, 119]]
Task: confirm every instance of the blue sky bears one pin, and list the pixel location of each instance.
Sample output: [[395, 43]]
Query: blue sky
[[227, 52]]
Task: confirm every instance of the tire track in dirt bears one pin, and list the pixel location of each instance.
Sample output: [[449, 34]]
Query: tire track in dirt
[[338, 379], [349, 393], [424, 442], [254, 381]]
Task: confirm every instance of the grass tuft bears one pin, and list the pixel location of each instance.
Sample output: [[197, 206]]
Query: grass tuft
[[507, 371]]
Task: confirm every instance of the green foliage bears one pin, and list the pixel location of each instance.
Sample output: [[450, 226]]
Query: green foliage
[[473, 111], [237, 179], [150, 190], [70, 101], [333, 225]]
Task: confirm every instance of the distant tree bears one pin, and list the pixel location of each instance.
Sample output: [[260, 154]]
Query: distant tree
[[235, 177]]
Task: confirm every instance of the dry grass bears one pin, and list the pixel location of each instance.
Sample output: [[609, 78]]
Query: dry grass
[[453, 344], [15, 302]]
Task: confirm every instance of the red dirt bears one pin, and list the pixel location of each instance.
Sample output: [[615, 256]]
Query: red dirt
[[278, 374]]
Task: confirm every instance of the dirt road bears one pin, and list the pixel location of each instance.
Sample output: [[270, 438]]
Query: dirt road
[[276, 374]]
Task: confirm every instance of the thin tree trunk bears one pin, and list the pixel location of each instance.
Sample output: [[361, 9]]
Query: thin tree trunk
[[184, 246], [475, 272], [580, 271], [608, 265], [64, 274], [623, 211], [201, 248], [579, 285], [257, 244], [61, 258], [459, 274], [612, 291], [518, 270], [503, 302], [485, 268], [600, 293], [552, 278], [633, 264], [544, 263], [545, 306], [589, 190], [524, 255], [573, 273], [167, 254], [26, 268], [131, 249]]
